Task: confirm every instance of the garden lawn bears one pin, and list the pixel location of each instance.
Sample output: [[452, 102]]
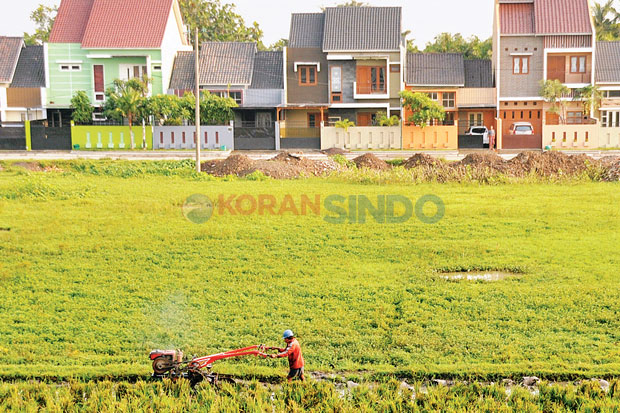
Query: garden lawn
[[96, 271]]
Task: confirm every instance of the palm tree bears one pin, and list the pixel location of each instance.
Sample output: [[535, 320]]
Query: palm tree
[[555, 92], [128, 102], [606, 20]]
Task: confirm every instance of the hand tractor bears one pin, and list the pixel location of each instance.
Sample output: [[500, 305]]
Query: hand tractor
[[170, 364]]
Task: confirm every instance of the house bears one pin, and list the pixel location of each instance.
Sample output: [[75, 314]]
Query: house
[[94, 42], [464, 88], [253, 78], [22, 81], [608, 82], [533, 41], [343, 63]]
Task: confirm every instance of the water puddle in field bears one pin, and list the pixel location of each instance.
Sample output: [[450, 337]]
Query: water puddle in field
[[488, 276]]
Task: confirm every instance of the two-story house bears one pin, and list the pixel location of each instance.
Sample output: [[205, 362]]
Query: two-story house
[[608, 82], [253, 78], [343, 63], [533, 41], [464, 88], [22, 81], [94, 42]]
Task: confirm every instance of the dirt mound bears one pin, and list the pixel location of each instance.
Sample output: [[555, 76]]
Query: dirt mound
[[233, 165], [550, 164], [334, 151], [489, 160], [31, 166], [370, 161], [282, 166], [420, 159], [612, 166]]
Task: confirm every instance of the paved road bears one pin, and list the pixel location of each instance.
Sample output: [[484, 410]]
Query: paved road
[[209, 155]]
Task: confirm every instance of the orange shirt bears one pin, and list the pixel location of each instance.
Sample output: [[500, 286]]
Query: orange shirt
[[293, 351]]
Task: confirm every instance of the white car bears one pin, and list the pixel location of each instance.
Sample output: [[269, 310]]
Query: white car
[[522, 128], [479, 130]]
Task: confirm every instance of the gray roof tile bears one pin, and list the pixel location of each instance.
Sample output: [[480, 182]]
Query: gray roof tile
[[268, 71], [10, 48], [227, 63], [362, 28], [607, 58], [30, 71], [435, 69], [183, 72], [478, 73], [306, 30]]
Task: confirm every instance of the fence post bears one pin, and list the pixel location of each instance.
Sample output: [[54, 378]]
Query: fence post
[[277, 137], [232, 134], [28, 135], [499, 133]]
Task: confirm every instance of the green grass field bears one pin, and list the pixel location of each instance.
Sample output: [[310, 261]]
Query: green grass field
[[96, 271]]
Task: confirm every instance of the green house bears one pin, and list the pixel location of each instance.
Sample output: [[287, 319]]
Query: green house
[[94, 42]]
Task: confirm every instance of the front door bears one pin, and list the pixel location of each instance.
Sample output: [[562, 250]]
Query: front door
[[556, 68], [364, 119]]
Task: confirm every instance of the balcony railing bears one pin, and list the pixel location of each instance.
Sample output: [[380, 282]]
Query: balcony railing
[[567, 77], [369, 90]]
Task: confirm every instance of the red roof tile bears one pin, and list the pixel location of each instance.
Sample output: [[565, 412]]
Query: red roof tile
[[516, 18], [127, 24], [562, 17], [71, 21]]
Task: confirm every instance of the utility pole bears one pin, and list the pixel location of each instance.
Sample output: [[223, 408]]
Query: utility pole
[[197, 61]]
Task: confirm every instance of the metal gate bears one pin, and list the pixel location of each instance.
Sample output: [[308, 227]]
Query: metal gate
[[13, 138], [249, 136], [49, 139]]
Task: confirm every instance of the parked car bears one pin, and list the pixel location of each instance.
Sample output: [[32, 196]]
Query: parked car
[[479, 130], [521, 128]]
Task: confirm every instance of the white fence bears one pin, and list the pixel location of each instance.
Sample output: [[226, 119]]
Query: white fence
[[184, 137], [361, 137]]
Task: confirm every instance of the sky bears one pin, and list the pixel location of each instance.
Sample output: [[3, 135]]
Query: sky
[[425, 18]]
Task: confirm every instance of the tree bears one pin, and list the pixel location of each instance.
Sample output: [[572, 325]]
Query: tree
[[384, 120], [423, 108], [344, 124], [279, 45], [43, 17], [127, 100], [82, 108], [472, 48], [555, 92], [606, 20], [167, 110], [218, 22], [214, 110], [590, 98], [354, 3]]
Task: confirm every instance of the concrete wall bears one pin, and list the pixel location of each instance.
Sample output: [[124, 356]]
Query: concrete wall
[[369, 137], [212, 137], [109, 137], [306, 94], [263, 97], [430, 137], [571, 136], [512, 85], [609, 138]]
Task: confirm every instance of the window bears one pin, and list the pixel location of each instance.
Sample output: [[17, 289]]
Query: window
[[449, 119], [235, 95], [128, 72], [314, 120], [394, 68], [520, 65], [336, 84], [434, 96], [157, 68], [70, 68], [573, 118], [476, 119], [98, 83], [307, 75], [448, 99], [377, 79], [578, 64], [611, 94]]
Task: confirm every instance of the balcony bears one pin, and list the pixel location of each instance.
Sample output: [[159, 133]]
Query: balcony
[[571, 78], [370, 90]]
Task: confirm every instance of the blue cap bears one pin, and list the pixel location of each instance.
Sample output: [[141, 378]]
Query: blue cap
[[288, 334]]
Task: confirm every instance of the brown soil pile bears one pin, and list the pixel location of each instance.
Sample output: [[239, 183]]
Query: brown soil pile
[[283, 166], [550, 164], [35, 167], [421, 159], [233, 165], [485, 160], [334, 151], [612, 168], [370, 161]]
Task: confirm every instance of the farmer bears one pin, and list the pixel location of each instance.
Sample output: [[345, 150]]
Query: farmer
[[295, 358], [492, 139]]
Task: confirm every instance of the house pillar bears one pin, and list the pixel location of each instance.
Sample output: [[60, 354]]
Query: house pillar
[[3, 104]]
